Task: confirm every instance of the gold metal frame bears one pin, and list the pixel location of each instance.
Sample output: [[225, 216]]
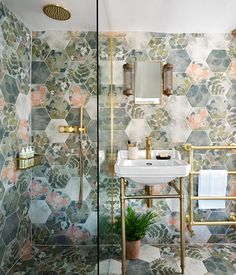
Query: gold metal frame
[[190, 217], [179, 195]]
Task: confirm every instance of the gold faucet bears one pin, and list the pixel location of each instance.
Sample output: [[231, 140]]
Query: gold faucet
[[148, 147]]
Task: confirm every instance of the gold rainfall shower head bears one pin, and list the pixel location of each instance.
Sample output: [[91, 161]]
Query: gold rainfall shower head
[[56, 12]]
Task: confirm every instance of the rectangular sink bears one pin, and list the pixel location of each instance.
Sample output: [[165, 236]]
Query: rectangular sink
[[151, 171]]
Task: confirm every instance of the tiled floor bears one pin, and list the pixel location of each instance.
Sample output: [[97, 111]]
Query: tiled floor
[[164, 260]]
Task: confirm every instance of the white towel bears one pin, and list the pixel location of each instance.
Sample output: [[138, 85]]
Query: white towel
[[212, 183]]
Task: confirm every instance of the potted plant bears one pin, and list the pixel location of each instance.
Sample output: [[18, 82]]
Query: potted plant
[[136, 226]]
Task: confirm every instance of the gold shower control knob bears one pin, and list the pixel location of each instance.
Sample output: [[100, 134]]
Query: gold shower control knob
[[70, 129], [61, 129]]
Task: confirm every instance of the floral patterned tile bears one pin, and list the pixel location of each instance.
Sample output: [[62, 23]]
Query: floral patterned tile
[[198, 73], [58, 260], [57, 61], [157, 49]]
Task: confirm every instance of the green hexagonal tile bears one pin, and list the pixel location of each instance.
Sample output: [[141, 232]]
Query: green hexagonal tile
[[180, 60], [78, 72], [157, 48], [78, 49], [178, 41], [40, 49], [57, 83], [198, 95], [57, 153], [58, 177], [218, 60], [9, 89], [40, 119], [218, 107], [77, 215], [57, 61], [40, 72], [10, 228], [57, 107], [10, 201]]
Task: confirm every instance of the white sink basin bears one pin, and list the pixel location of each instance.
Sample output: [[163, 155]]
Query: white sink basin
[[151, 171]]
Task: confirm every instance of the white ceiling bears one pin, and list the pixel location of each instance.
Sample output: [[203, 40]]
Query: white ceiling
[[83, 14], [208, 16]]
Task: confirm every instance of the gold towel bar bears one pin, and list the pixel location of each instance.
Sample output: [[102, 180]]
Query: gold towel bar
[[229, 172], [190, 217]]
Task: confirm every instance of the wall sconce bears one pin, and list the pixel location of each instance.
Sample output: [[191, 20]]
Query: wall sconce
[[233, 33], [128, 79], [168, 79]]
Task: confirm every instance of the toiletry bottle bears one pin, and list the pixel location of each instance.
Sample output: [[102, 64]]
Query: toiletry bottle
[[28, 157], [132, 150], [21, 158], [32, 155]]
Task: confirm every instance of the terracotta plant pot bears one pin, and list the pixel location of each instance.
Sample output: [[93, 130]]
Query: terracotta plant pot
[[133, 249]]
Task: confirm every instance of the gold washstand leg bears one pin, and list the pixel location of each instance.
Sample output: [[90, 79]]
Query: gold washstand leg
[[149, 191], [123, 239], [189, 226], [232, 217], [182, 237]]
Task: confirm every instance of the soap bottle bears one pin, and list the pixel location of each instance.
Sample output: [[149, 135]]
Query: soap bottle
[[22, 158], [29, 156], [32, 155]]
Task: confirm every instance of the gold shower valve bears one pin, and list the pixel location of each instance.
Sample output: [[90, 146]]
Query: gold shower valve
[[72, 129], [62, 129], [82, 129]]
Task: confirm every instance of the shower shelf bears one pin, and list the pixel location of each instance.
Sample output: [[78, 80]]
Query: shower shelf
[[27, 163]]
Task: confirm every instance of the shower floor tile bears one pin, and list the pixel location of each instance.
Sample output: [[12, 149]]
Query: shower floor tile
[[212, 259], [58, 260], [216, 259]]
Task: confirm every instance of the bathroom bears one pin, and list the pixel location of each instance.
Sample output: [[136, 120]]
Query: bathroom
[[57, 74]]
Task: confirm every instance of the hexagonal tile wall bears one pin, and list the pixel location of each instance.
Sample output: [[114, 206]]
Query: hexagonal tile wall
[[204, 75], [14, 133], [200, 112], [70, 59]]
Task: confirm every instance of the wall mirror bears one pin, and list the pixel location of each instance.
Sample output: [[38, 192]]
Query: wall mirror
[[148, 82]]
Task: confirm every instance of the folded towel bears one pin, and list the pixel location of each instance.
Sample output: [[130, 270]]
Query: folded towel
[[212, 183]]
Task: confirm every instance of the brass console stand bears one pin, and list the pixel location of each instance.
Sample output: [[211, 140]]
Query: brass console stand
[[179, 195]]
